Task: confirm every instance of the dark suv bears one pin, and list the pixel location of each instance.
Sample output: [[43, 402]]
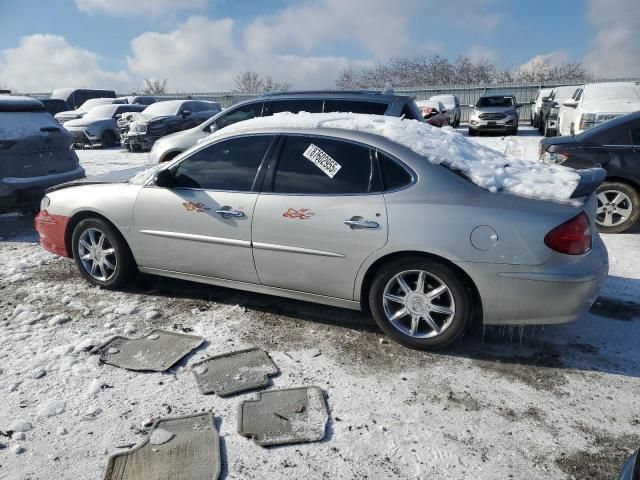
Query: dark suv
[[614, 146], [317, 101]]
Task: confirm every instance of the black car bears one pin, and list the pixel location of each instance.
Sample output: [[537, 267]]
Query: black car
[[615, 146], [54, 105], [164, 118]]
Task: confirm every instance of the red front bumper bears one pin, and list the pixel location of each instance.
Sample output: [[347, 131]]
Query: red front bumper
[[52, 229]]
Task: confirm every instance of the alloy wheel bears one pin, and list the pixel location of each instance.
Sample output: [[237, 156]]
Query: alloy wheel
[[97, 254], [418, 304], [614, 208]]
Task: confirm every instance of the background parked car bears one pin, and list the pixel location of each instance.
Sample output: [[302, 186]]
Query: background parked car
[[315, 101], [549, 112], [536, 105], [615, 146], [596, 103], [54, 105], [77, 96], [35, 153], [63, 117], [631, 469], [434, 112], [495, 113], [137, 99], [99, 126], [164, 118], [452, 104]]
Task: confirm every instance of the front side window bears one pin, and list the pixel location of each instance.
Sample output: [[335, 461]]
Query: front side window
[[239, 114], [230, 165], [355, 106], [312, 165]]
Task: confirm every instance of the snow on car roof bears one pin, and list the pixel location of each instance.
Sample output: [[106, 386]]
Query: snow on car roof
[[484, 166]]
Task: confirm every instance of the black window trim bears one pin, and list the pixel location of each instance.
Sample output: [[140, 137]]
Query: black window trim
[[260, 172], [230, 111], [274, 164]]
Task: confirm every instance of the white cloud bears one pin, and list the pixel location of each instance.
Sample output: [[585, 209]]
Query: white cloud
[[615, 50], [128, 7], [552, 58], [43, 62], [202, 54]]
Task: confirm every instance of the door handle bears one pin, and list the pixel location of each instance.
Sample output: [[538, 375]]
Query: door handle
[[230, 213], [360, 224]]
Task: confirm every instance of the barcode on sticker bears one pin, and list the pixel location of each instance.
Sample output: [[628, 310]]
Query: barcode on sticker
[[322, 160]]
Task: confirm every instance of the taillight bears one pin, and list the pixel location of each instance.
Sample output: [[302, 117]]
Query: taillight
[[572, 237]]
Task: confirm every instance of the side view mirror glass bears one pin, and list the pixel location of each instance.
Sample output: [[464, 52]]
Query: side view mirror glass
[[544, 99], [570, 103], [164, 178], [186, 113], [518, 105], [444, 110]]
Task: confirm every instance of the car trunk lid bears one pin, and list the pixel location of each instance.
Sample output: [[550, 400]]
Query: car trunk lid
[[34, 145]]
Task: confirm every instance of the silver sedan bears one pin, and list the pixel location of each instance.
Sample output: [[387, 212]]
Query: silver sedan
[[340, 217]]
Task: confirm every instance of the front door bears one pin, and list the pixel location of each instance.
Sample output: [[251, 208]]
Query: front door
[[202, 224], [321, 214]]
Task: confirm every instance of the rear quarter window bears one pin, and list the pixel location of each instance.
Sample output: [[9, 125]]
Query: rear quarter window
[[394, 175]]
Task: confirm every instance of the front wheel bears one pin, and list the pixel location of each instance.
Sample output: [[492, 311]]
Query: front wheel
[[420, 303], [101, 254], [618, 207]]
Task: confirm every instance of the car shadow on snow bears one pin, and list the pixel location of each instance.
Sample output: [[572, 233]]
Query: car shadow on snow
[[601, 341], [17, 227]]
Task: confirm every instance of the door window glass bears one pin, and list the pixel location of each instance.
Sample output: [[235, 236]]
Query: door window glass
[[230, 165], [239, 114], [296, 106], [311, 165], [635, 137], [355, 106]]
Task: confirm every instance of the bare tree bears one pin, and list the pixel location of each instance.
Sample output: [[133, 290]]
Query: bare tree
[[154, 87], [252, 82]]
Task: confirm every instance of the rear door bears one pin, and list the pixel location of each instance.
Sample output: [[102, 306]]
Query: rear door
[[33, 144], [320, 215], [202, 225]]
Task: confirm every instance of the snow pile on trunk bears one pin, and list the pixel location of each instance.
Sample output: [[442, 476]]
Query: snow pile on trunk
[[485, 167]]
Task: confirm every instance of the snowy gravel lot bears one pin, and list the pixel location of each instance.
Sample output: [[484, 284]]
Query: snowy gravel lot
[[558, 402]]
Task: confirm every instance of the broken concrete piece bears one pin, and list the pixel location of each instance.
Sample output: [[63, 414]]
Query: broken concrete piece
[[156, 351], [290, 415], [193, 453], [234, 372]]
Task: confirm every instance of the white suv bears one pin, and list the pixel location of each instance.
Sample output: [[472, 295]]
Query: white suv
[[596, 103]]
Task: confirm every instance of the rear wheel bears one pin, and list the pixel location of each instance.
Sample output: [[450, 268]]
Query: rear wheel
[[472, 133], [420, 303], [101, 254], [618, 207]]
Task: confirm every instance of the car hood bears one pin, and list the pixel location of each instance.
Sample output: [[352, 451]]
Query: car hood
[[86, 122], [120, 176], [614, 105], [70, 113]]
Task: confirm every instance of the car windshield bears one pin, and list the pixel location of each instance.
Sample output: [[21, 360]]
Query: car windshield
[[609, 92], [94, 102], [102, 111], [495, 102], [447, 100], [562, 93], [163, 108]]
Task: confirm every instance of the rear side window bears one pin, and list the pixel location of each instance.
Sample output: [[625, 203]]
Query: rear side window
[[624, 139], [296, 106], [311, 165], [635, 137], [230, 165], [355, 106], [394, 175]]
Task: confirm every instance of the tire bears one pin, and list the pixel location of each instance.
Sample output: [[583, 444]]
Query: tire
[[108, 139], [472, 133], [514, 131], [454, 303], [547, 132], [618, 207], [120, 258]]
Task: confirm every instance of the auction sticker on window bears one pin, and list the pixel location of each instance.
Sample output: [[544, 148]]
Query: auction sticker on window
[[322, 160]]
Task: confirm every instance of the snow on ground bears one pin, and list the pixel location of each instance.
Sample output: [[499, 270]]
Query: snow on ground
[[560, 403], [98, 161]]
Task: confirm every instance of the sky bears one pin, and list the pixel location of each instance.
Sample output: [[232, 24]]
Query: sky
[[201, 45]]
